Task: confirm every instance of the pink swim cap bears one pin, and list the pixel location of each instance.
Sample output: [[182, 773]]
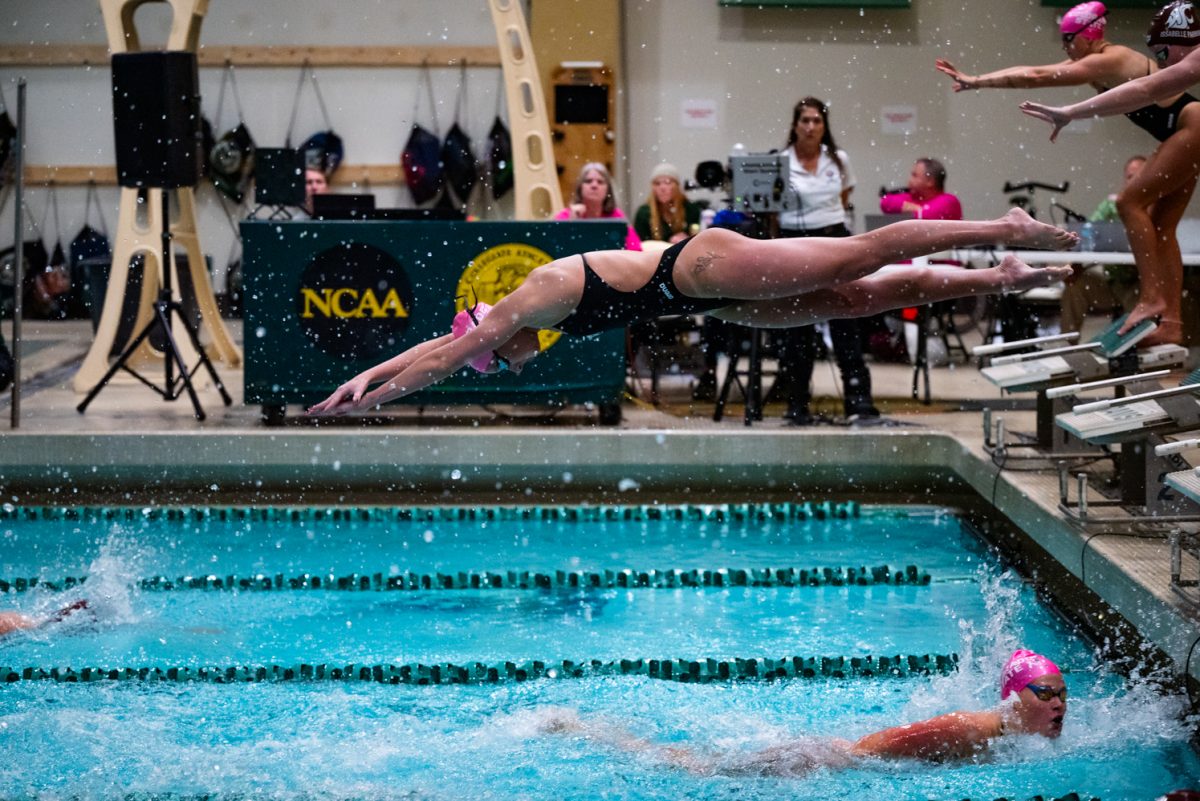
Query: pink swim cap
[[1086, 20], [467, 320], [1022, 668]]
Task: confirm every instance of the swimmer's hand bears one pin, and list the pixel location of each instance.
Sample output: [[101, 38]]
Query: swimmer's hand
[[962, 81], [344, 399], [1051, 114]]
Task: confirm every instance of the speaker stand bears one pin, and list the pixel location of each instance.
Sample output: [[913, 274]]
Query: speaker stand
[[134, 238], [168, 312]]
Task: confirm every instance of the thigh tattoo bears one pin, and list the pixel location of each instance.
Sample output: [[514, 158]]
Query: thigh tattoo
[[705, 261]]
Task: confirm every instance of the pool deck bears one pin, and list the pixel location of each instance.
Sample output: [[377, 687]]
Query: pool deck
[[133, 448]]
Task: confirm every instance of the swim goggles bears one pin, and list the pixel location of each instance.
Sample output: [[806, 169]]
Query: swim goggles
[[1067, 38], [1047, 694], [1161, 54], [502, 363]]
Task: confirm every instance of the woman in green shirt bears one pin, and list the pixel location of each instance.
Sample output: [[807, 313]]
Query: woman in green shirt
[[667, 215]]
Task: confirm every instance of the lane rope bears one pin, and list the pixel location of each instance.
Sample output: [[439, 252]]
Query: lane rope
[[416, 673], [723, 512], [910, 575]]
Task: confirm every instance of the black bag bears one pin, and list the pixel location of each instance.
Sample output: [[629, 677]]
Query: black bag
[[8, 140], [500, 159], [91, 260], [231, 159], [421, 159], [323, 151], [7, 366], [462, 168], [458, 156]]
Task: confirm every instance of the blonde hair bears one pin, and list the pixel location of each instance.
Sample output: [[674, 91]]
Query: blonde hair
[[610, 202], [673, 214]]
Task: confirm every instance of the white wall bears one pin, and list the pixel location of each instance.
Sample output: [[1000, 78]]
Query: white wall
[[755, 63], [70, 109]]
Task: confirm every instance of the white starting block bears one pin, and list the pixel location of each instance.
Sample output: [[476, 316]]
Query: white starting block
[[1138, 423], [1055, 364], [1187, 483]]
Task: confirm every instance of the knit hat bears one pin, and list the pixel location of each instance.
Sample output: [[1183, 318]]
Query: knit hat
[[666, 170]]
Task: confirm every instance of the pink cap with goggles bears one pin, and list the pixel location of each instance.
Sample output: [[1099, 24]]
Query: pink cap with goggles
[[468, 320], [1022, 668], [1085, 20]]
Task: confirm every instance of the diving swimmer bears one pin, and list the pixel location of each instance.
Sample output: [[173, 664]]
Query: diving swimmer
[[767, 283]]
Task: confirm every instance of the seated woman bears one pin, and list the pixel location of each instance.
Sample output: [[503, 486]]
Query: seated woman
[[1033, 700], [773, 283], [667, 215], [593, 199]]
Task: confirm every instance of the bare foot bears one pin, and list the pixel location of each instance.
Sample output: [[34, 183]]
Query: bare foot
[[1145, 310], [1017, 276], [1169, 332], [1024, 231]]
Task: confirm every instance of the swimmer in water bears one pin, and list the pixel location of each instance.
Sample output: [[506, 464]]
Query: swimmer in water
[[1033, 701], [15, 621]]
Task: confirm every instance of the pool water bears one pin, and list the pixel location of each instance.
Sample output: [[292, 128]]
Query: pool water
[[339, 739]]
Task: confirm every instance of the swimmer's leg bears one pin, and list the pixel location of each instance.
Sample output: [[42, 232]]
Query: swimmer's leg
[[720, 263]]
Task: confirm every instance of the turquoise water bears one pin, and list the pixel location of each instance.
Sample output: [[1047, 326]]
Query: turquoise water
[[1122, 740]]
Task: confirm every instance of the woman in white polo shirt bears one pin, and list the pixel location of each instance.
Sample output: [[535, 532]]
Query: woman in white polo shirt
[[821, 180]]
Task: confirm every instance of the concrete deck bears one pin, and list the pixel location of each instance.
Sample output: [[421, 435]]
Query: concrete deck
[[131, 447]]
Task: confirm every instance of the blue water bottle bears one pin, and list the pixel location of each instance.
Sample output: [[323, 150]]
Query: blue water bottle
[[1087, 237]]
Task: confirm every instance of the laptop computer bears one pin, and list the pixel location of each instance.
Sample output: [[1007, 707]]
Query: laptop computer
[[278, 176], [343, 207], [874, 221]]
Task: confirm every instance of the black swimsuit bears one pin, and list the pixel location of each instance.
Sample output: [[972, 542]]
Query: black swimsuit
[[1158, 121], [601, 307]]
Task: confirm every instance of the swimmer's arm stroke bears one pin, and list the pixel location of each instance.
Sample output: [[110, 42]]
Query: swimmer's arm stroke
[[957, 734], [1129, 96], [1089, 69]]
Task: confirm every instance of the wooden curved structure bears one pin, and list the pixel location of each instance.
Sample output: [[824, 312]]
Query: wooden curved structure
[[139, 228], [535, 176]]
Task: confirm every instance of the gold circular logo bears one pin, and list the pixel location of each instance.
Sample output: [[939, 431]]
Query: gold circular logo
[[496, 272]]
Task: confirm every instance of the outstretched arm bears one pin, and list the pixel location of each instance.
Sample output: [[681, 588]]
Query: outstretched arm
[[1129, 96], [352, 391], [958, 734], [1065, 73]]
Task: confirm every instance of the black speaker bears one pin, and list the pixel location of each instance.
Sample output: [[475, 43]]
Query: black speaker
[[279, 176], [156, 117]]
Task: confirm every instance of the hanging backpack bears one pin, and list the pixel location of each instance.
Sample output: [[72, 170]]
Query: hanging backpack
[[231, 159], [91, 260], [500, 153], [421, 159], [7, 365], [458, 156], [323, 150]]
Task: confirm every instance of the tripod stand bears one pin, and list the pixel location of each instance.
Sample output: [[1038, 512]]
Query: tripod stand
[[165, 308]]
